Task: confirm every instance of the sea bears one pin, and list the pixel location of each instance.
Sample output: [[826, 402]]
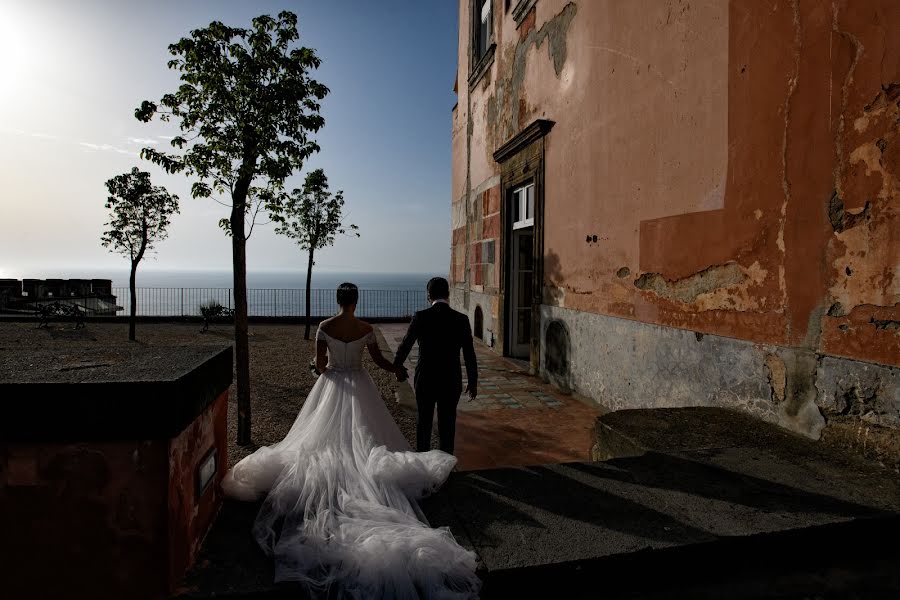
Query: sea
[[271, 293], [272, 279]]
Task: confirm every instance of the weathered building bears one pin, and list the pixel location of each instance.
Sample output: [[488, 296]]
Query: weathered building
[[673, 203]]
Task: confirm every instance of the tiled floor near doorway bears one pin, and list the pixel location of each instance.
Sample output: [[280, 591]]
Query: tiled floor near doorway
[[516, 420]]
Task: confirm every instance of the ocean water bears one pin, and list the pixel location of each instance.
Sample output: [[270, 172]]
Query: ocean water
[[271, 279], [270, 293]]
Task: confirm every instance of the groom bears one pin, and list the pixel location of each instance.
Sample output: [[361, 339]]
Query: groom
[[441, 332]]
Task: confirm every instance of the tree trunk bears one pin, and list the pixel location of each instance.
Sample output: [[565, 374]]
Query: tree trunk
[[241, 340], [309, 267], [132, 285]]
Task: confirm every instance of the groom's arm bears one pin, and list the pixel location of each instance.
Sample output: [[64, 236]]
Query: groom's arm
[[412, 334], [468, 348]]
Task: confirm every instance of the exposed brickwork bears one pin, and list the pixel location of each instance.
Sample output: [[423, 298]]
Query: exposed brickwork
[[459, 236], [458, 272], [493, 204], [478, 272], [491, 227]]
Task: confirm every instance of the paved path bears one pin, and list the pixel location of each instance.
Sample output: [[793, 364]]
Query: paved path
[[517, 420]]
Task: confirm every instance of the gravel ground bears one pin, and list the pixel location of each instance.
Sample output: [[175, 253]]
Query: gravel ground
[[280, 377]]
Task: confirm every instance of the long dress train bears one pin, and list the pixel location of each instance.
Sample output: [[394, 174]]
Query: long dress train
[[340, 512]]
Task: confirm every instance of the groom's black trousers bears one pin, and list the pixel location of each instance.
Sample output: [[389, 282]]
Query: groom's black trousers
[[446, 411]]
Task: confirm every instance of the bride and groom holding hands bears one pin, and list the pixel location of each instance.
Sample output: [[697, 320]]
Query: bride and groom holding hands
[[340, 512]]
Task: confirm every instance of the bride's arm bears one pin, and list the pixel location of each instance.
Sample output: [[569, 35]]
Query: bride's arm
[[321, 356], [378, 357]]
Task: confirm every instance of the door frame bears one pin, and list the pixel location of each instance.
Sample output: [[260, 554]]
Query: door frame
[[522, 160]]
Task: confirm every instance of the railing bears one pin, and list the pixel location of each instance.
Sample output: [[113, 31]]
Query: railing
[[181, 302]]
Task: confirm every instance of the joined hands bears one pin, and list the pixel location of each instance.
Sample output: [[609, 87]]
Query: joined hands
[[401, 373]]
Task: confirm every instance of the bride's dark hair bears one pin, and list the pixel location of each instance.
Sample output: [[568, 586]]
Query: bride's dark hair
[[347, 294]]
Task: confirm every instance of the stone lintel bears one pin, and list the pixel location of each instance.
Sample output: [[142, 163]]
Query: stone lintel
[[536, 130]]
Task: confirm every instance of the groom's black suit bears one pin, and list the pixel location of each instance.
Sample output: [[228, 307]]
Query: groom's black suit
[[441, 332]]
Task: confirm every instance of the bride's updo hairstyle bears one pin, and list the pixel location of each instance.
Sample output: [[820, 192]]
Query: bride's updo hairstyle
[[347, 294]]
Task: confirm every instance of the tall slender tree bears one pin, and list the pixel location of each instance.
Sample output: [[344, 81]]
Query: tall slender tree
[[138, 218], [246, 107], [311, 216]]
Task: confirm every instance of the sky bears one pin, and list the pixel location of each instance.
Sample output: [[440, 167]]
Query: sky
[[72, 73]]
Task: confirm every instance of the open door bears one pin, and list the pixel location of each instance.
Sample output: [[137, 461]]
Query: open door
[[521, 270]]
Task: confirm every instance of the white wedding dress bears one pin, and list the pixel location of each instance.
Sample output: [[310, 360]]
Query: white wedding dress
[[340, 512]]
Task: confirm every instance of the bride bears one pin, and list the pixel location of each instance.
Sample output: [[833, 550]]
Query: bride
[[340, 513]]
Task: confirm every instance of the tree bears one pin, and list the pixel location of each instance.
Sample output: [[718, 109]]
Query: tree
[[245, 107], [311, 217], [138, 218]]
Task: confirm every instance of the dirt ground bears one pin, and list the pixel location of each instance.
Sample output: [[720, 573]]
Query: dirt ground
[[279, 372]]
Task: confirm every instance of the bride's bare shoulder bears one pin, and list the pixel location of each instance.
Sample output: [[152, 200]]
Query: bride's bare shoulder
[[326, 324], [366, 328]]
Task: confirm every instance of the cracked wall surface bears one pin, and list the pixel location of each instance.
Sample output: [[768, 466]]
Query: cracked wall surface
[[738, 163]]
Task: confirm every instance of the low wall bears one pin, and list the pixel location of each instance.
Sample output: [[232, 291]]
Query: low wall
[[109, 467]]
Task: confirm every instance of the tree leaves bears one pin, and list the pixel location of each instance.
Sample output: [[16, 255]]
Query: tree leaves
[[245, 107], [138, 214], [311, 216]]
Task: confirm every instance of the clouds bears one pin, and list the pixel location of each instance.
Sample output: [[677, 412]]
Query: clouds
[[105, 148], [118, 148], [133, 141], [94, 146]]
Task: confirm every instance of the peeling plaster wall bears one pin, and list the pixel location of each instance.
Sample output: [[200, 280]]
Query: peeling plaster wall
[[738, 163], [649, 80]]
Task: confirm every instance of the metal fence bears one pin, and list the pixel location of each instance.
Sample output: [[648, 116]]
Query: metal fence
[[184, 302]]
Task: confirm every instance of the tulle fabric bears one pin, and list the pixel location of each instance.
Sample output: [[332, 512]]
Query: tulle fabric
[[340, 512]]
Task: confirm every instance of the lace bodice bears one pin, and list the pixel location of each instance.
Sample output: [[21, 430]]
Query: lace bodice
[[345, 355]]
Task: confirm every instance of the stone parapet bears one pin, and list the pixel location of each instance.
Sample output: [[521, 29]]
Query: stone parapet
[[109, 467]]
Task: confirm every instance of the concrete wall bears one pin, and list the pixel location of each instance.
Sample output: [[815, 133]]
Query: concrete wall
[[738, 163], [629, 364]]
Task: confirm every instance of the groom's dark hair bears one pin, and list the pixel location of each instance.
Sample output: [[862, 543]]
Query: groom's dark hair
[[347, 294], [438, 288]]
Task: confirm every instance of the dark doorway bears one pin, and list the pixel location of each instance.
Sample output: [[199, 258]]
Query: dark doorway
[[521, 268]]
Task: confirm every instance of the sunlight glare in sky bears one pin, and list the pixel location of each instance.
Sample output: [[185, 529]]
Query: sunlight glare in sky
[[12, 47], [23, 59], [72, 73]]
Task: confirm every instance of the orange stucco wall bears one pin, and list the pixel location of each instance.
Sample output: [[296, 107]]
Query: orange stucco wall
[[737, 161]]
